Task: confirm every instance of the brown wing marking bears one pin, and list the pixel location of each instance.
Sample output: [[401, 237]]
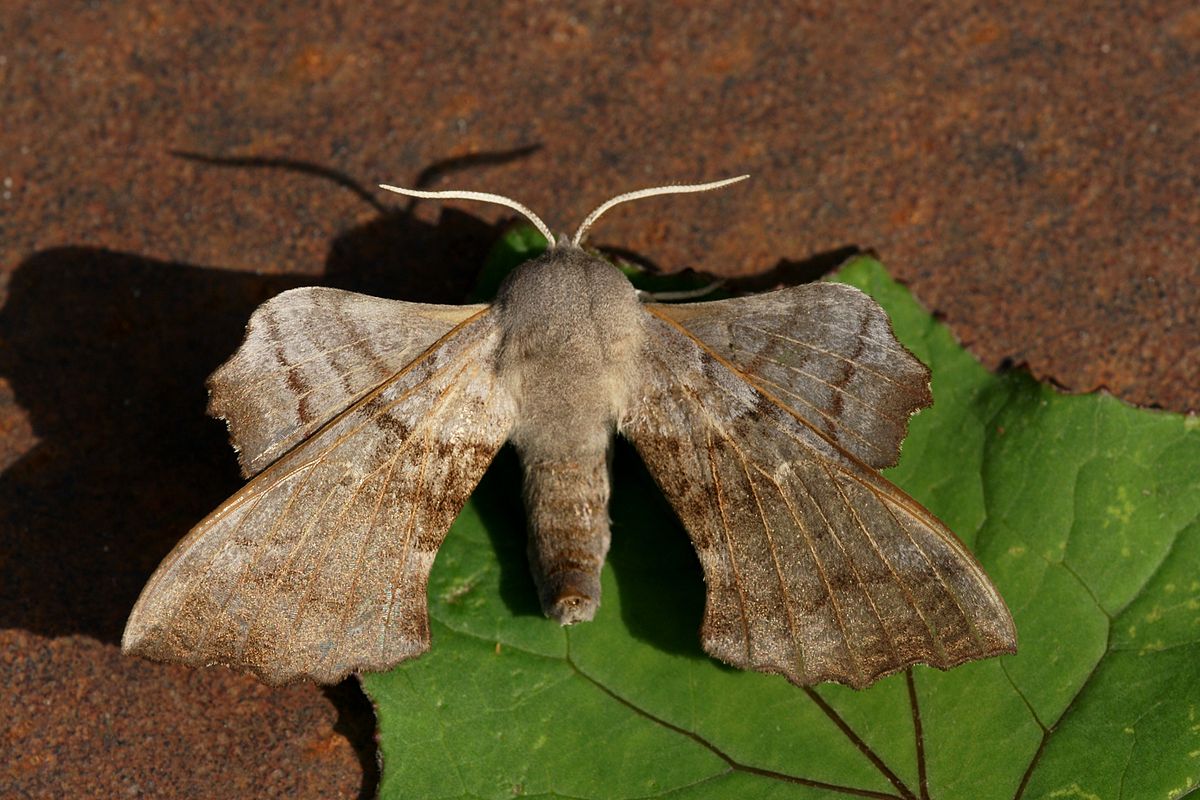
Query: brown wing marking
[[334, 654], [816, 566], [410, 530], [307, 355], [307, 469], [854, 382], [782, 389], [309, 592], [895, 577], [793, 628], [727, 539], [319, 565]]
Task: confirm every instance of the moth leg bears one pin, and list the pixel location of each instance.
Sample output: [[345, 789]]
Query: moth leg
[[566, 502]]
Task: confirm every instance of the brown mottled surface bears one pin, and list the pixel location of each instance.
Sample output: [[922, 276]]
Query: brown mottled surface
[[1031, 172], [82, 721]]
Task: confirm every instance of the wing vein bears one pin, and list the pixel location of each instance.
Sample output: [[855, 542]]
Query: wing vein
[[737, 577], [837, 540], [340, 378], [342, 439], [402, 563], [217, 552], [454, 387], [282, 571], [938, 573], [855, 331], [783, 590], [879, 553], [244, 575], [335, 651], [736, 372], [796, 648], [318, 565], [384, 409], [837, 610], [285, 442], [891, 348], [830, 418], [848, 395]]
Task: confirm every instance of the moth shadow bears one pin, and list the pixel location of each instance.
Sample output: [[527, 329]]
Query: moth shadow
[[658, 575], [107, 353], [793, 272], [785, 272], [498, 500]]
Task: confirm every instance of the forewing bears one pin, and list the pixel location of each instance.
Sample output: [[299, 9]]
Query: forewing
[[816, 566], [827, 351], [308, 354], [318, 567]]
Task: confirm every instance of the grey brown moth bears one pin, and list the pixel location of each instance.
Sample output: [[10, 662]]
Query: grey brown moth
[[366, 424]]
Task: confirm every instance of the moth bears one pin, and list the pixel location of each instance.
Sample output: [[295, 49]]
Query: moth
[[366, 424]]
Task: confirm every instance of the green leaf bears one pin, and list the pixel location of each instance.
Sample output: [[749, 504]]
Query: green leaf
[[1085, 512]]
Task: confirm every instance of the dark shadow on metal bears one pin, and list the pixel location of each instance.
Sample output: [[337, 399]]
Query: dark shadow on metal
[[793, 273], [288, 165], [448, 166], [425, 178], [786, 272]]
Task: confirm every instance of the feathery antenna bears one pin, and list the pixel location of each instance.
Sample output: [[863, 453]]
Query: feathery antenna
[[651, 192], [486, 197]]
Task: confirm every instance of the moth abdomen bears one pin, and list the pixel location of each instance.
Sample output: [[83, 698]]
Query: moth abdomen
[[566, 502]]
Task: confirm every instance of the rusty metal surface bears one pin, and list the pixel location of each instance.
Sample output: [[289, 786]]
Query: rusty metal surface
[[1030, 171]]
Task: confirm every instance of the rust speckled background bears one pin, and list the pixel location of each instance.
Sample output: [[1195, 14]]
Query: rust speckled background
[[1031, 172]]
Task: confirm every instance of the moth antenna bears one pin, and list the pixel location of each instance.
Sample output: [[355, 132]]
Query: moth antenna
[[486, 197], [651, 192]]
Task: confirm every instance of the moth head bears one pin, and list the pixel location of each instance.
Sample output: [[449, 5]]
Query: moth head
[[562, 240]]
